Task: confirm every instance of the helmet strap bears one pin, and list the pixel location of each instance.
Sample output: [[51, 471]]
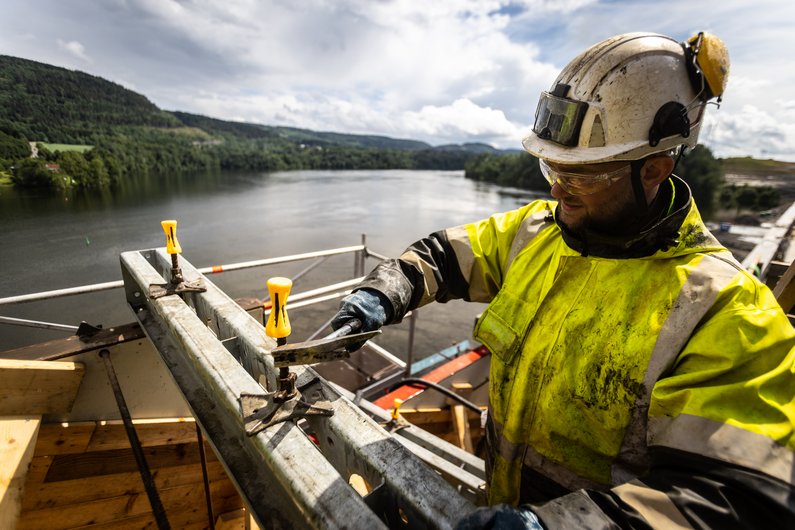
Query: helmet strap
[[641, 205], [646, 213]]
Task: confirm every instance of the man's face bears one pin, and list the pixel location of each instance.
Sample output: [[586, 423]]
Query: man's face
[[606, 210]]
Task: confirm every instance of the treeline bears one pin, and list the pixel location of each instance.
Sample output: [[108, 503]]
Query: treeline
[[131, 137], [147, 151], [699, 168]]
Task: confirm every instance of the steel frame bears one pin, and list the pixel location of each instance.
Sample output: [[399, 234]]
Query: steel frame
[[216, 352]]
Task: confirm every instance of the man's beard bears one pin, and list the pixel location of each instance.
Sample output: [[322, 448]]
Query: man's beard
[[620, 217]]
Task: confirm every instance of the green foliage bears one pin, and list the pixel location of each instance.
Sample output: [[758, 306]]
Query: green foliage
[[12, 147], [751, 198], [704, 175], [727, 198], [746, 197], [55, 104], [769, 197], [33, 173], [516, 170], [84, 172]]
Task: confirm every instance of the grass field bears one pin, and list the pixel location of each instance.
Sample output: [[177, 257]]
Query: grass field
[[65, 147], [755, 166]]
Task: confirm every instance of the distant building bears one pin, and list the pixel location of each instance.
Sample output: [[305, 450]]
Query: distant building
[[55, 168]]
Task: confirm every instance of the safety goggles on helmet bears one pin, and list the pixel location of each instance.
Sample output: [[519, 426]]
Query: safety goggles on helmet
[[582, 182], [559, 118]]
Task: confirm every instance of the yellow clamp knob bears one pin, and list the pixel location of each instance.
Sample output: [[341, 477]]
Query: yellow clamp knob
[[395, 409], [278, 326], [170, 228]]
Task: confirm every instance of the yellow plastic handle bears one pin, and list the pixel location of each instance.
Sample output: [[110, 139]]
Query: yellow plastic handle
[[278, 326], [396, 408], [170, 228]]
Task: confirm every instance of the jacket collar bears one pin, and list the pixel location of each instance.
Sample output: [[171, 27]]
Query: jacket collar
[[661, 235]]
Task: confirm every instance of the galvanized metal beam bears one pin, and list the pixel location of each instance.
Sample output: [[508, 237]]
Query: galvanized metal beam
[[216, 352]]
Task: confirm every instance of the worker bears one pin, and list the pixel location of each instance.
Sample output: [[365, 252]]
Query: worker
[[639, 376]]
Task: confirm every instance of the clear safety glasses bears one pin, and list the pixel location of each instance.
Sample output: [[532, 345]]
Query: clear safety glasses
[[582, 182]]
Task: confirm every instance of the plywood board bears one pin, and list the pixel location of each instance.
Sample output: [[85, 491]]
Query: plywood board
[[38, 387]]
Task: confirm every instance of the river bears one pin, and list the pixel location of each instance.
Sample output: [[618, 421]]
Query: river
[[52, 242]]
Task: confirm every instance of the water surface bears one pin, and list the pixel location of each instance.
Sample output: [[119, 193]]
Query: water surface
[[52, 242]]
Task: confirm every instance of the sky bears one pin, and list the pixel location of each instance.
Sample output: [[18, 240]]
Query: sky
[[441, 71]]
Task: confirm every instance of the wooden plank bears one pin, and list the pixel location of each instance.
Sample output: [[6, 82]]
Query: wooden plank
[[194, 518], [17, 442], [83, 465], [64, 438], [175, 500], [81, 437], [38, 469], [39, 495], [784, 290], [232, 520], [38, 387], [74, 345], [237, 520], [461, 428], [112, 435]]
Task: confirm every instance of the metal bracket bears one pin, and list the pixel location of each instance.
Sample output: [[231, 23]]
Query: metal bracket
[[158, 290], [260, 411]]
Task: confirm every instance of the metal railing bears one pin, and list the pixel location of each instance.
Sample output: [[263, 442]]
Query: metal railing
[[297, 300]]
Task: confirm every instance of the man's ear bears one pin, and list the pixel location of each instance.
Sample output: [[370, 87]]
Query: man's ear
[[655, 170]]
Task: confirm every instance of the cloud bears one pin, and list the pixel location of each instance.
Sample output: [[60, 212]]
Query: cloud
[[74, 48], [464, 119], [752, 132], [443, 71]]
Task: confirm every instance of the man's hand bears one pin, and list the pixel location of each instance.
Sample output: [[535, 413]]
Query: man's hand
[[367, 305], [502, 517]]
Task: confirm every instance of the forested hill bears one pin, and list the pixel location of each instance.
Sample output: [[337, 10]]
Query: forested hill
[[55, 104], [95, 133]]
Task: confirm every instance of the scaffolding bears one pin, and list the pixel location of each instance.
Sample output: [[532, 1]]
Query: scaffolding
[[296, 473]]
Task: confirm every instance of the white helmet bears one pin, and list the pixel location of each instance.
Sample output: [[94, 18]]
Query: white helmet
[[628, 97]]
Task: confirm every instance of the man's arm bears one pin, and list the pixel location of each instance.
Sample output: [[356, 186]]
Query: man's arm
[[465, 262], [427, 271]]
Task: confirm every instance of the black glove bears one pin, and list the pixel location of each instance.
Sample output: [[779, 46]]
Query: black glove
[[500, 517], [367, 305]]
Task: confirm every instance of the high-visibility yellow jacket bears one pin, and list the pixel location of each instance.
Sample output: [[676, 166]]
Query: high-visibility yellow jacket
[[647, 378]]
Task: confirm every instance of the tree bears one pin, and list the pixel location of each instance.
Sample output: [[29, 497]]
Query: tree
[[76, 166], [33, 173], [13, 148], [517, 170], [704, 175], [727, 199], [747, 197]]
